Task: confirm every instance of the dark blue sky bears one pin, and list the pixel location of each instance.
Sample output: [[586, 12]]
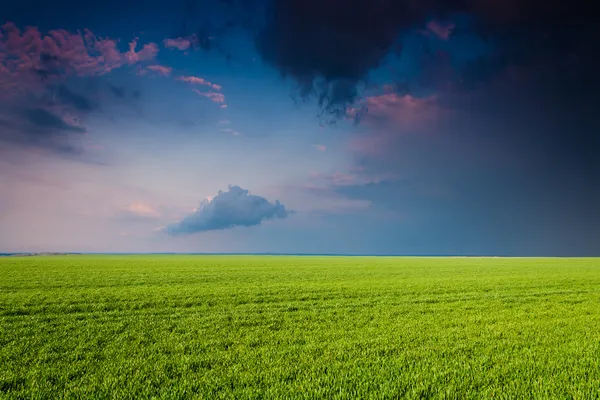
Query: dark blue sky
[[452, 127]]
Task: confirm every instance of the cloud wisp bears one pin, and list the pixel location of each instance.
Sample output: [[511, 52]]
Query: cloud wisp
[[233, 208], [161, 69], [215, 97], [178, 43], [194, 80]]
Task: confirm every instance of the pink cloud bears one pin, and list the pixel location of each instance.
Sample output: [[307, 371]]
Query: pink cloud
[[178, 43], [212, 96], [393, 99], [29, 59], [320, 147], [194, 80], [161, 69], [390, 116], [441, 31], [143, 210], [148, 52], [404, 110], [223, 105]]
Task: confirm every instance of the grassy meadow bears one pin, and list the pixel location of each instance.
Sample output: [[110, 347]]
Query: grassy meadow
[[293, 327]]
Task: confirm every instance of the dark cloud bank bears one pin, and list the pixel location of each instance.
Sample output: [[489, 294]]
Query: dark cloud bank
[[516, 145], [329, 46], [233, 208]]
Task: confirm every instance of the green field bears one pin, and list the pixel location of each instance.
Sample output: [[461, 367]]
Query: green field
[[266, 327]]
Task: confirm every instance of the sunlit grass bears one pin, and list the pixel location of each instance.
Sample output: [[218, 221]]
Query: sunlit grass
[[299, 327]]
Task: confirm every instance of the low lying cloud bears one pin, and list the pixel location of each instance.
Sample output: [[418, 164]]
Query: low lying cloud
[[236, 207]]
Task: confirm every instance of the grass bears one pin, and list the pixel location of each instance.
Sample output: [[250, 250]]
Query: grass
[[265, 327]]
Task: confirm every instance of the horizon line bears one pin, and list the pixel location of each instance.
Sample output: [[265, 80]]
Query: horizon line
[[41, 253]]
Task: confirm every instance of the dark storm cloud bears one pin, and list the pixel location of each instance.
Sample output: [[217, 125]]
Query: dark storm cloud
[[512, 134], [508, 169], [330, 47], [339, 43], [236, 207], [489, 213]]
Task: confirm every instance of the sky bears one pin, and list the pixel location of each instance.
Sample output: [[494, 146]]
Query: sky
[[448, 127]]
